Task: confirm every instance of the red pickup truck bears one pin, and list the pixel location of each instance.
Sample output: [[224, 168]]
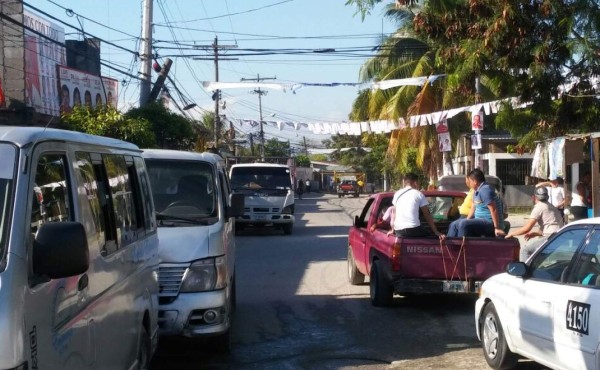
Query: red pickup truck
[[404, 265]]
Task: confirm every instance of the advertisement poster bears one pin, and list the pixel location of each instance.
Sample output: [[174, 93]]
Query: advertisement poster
[[41, 58], [443, 136], [476, 141], [78, 87], [477, 121]]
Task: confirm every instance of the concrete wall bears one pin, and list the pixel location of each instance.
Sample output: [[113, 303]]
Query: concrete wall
[[519, 195]]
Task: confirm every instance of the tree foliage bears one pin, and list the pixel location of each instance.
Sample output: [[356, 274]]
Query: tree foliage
[[543, 52], [171, 130], [106, 120], [302, 160], [276, 148]]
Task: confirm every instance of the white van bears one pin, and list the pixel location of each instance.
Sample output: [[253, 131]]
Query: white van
[[78, 252], [195, 212], [269, 195]]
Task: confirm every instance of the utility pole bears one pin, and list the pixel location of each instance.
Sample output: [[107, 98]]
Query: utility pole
[[217, 93], [260, 94], [160, 81], [305, 146], [146, 52]]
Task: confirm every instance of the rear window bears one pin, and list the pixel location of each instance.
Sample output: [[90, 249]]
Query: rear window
[[444, 208]]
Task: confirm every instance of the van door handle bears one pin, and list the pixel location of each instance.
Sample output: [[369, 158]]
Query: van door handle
[[83, 282]]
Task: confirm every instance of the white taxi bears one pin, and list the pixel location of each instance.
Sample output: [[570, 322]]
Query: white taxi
[[547, 310]]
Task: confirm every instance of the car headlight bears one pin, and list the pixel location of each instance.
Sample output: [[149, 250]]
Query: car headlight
[[205, 275]]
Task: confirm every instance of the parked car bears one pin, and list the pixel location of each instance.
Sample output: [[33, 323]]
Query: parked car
[[78, 252], [195, 211], [348, 187], [411, 265], [546, 309]]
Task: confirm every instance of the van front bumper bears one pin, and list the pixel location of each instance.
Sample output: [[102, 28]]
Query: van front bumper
[[263, 219], [195, 314]]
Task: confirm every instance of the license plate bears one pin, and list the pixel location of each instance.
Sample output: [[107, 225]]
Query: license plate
[[260, 217], [456, 286]]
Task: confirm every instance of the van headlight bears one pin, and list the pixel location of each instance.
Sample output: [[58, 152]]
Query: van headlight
[[205, 275]]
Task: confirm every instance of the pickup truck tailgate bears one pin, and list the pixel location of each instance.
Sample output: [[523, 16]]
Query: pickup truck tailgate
[[427, 258]]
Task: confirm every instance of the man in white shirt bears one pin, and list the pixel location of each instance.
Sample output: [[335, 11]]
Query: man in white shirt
[[407, 202]]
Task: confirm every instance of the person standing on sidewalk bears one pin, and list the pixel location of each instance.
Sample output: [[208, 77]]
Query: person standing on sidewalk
[[300, 188], [556, 193], [581, 198], [546, 216]]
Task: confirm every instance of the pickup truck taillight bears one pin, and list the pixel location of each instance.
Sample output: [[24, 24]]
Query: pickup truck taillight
[[396, 254], [516, 252]]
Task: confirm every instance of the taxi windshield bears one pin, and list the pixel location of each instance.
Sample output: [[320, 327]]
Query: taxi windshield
[[8, 154]]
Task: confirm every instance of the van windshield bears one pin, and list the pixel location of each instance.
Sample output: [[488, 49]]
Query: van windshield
[[8, 154], [270, 180], [183, 191]]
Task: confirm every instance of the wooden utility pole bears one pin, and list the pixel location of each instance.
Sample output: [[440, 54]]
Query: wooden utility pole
[[146, 52], [260, 94], [217, 93]]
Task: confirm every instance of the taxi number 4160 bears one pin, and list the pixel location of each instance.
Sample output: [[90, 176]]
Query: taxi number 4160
[[578, 317]]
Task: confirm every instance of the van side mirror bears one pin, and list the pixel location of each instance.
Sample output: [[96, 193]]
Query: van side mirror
[[236, 208], [60, 250]]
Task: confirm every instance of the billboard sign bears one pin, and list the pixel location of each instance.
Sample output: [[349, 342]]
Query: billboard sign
[[42, 55], [78, 87]]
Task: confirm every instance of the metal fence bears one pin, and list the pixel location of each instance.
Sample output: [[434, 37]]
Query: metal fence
[[513, 171]]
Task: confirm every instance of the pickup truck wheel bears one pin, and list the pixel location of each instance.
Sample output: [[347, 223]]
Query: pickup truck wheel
[[380, 289], [496, 351], [355, 277], [287, 229]]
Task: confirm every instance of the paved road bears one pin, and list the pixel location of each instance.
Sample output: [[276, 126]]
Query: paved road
[[297, 311]]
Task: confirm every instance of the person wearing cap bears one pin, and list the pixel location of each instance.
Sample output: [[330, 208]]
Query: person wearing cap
[[546, 216], [556, 193]]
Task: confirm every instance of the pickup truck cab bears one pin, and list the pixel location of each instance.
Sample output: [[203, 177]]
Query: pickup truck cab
[[408, 265], [348, 187]]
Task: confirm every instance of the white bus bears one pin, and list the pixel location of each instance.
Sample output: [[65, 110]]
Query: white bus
[[268, 195]]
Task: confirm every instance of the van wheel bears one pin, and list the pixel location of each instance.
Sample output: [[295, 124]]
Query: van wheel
[[380, 289], [287, 229], [144, 350], [495, 349], [355, 277]]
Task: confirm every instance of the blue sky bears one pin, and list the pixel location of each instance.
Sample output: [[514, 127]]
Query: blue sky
[[264, 24]]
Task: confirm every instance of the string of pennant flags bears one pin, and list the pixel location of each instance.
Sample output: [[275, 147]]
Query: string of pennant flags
[[293, 87], [378, 126]]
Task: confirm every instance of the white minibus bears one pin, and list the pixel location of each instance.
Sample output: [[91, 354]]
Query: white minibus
[[78, 253]]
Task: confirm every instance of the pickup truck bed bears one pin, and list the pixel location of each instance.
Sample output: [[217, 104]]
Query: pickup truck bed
[[422, 265]]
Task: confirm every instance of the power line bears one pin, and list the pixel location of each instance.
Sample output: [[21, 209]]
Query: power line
[[79, 29], [71, 13], [231, 14], [15, 22]]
